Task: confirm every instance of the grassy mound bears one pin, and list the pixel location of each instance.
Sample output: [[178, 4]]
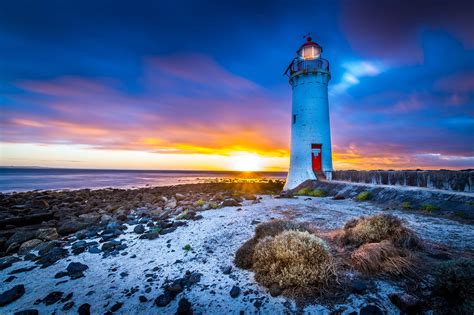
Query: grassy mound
[[244, 255], [379, 228], [363, 196], [293, 259], [454, 284], [311, 192], [382, 257]]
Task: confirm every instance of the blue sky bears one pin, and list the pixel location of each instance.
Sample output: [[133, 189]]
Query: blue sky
[[204, 78]]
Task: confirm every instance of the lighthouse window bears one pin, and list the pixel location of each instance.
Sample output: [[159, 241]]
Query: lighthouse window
[[294, 119]]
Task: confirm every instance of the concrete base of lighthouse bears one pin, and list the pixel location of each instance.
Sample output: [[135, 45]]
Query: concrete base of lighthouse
[[297, 177]]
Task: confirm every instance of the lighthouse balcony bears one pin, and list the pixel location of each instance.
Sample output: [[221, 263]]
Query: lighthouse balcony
[[301, 66]]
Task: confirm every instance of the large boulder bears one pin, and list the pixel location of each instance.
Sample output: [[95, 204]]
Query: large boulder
[[20, 237], [47, 234], [27, 246], [70, 226]]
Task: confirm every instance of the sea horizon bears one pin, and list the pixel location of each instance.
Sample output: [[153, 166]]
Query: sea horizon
[[23, 179]]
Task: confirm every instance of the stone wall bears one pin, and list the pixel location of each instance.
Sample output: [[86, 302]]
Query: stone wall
[[442, 179], [392, 197]]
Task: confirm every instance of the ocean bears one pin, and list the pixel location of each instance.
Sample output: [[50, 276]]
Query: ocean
[[27, 179]]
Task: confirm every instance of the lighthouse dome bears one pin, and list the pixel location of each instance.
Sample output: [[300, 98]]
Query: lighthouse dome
[[309, 50]]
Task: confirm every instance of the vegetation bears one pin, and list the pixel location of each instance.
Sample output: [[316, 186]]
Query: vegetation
[[363, 196], [429, 208], [379, 228], [213, 205], [182, 215], [187, 247], [312, 192], [406, 205], [244, 255], [200, 203], [454, 284], [382, 257], [293, 259]]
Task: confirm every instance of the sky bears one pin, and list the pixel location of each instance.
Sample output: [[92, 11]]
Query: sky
[[199, 84]]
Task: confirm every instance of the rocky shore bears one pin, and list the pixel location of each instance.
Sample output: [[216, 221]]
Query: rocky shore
[[171, 249]]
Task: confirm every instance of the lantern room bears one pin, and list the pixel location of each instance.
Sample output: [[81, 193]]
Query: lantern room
[[309, 50]]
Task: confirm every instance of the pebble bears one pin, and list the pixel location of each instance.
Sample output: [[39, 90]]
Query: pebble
[[234, 292], [84, 309]]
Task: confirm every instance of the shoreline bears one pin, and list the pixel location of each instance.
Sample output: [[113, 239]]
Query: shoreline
[[120, 250]]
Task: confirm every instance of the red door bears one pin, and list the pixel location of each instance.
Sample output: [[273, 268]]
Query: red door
[[316, 154]]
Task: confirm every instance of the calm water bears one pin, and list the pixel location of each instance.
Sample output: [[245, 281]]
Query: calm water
[[25, 179]]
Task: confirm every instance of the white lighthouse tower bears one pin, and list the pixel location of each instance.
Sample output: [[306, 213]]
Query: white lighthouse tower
[[311, 156]]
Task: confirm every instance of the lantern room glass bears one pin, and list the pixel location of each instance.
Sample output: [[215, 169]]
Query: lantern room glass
[[310, 52]]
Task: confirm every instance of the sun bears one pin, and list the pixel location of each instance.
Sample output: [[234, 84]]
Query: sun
[[246, 162]]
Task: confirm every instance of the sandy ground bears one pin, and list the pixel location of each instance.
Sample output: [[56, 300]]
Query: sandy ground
[[214, 240]]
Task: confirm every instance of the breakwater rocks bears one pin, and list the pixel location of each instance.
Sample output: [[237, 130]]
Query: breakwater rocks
[[441, 179], [461, 205], [34, 219]]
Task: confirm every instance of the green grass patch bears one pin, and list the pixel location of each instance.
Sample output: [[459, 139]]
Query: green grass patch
[[200, 203], [182, 215], [312, 192], [429, 208], [363, 196], [406, 205], [187, 247]]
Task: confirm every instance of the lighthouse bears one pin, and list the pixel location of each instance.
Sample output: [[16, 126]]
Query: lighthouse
[[311, 157]]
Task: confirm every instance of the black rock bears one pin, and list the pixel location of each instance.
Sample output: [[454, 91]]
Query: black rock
[[149, 236], [275, 290], [175, 288], [27, 312], [67, 297], [10, 279], [52, 256], [230, 203], [12, 295], [358, 286], [94, 250], [20, 270], [184, 307], [139, 229], [76, 267], [406, 302], [116, 307], [163, 299], [370, 310], [142, 298], [84, 309], [53, 297], [70, 227], [61, 274], [68, 306], [234, 292], [6, 262]]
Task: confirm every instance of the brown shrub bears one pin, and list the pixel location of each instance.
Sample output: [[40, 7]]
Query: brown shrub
[[379, 228], [275, 227], [244, 255], [293, 259], [382, 257]]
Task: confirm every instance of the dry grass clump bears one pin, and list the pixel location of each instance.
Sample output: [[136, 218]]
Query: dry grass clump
[[293, 259], [244, 255], [382, 257], [379, 228]]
